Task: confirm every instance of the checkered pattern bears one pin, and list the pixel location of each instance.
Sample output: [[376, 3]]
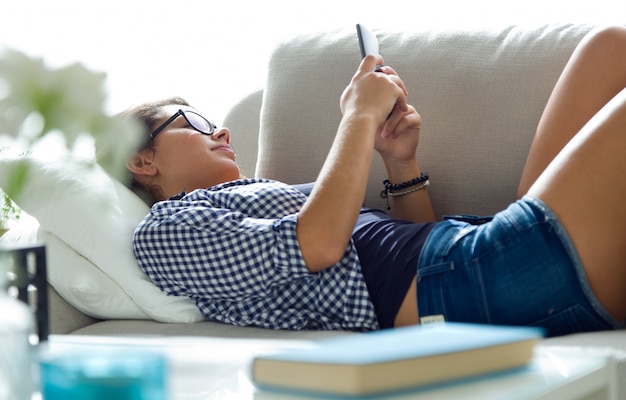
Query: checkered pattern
[[233, 249]]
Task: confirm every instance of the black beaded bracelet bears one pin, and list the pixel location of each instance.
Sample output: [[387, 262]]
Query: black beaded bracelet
[[422, 181], [389, 187]]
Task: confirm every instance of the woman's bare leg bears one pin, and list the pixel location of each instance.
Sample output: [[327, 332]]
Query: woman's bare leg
[[578, 168], [595, 73]]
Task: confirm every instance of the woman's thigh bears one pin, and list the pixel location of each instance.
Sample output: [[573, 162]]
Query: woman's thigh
[[585, 185], [519, 269], [577, 163]]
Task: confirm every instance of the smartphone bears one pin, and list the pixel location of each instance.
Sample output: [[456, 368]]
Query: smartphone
[[367, 42], [470, 218], [369, 45]]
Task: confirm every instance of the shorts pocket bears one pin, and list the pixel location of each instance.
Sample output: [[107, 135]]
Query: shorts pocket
[[434, 270], [573, 319]]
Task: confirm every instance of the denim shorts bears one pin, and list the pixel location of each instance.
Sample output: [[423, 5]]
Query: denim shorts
[[519, 269]]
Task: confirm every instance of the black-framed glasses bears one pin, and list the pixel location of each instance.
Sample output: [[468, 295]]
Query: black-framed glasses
[[195, 121]]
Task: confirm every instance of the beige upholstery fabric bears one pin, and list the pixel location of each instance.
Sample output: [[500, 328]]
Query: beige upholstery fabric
[[63, 317], [204, 328], [480, 93], [243, 122]]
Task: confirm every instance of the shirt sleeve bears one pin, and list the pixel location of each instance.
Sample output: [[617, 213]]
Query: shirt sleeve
[[196, 250]]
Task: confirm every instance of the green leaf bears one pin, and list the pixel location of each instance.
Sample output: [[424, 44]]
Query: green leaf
[[16, 179]]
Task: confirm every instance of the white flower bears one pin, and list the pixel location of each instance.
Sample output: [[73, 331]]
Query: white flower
[[36, 100]]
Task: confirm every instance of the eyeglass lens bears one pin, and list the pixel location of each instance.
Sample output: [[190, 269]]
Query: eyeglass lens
[[198, 122]]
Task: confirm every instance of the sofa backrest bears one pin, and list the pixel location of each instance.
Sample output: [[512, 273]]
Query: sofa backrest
[[480, 93]]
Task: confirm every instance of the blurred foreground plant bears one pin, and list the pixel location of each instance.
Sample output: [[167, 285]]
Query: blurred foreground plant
[[69, 102]]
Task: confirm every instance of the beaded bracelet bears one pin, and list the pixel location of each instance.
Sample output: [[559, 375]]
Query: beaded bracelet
[[391, 189], [399, 186], [421, 186]]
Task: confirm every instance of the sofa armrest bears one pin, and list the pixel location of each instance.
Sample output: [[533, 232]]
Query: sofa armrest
[[63, 317], [243, 122]]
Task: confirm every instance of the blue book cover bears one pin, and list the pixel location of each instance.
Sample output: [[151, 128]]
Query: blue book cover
[[399, 358]]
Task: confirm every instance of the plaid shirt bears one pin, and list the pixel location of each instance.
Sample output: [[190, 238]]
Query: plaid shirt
[[233, 249]]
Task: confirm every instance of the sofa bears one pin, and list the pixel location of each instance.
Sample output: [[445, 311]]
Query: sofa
[[480, 92]]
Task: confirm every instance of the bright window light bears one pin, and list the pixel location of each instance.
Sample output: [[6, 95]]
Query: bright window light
[[213, 53]]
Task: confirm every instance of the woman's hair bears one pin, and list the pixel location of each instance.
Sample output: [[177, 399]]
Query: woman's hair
[[148, 115]]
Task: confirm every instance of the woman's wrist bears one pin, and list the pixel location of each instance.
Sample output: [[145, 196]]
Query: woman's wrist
[[365, 121], [401, 170], [404, 188]]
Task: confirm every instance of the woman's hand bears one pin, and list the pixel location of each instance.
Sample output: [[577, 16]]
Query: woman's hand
[[374, 93], [397, 140], [382, 94], [398, 137]]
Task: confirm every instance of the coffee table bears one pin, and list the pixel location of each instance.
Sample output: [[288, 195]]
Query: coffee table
[[215, 368]]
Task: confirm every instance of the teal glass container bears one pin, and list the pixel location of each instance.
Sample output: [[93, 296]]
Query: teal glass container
[[88, 374]]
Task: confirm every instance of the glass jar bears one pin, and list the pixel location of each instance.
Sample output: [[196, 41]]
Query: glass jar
[[17, 366]]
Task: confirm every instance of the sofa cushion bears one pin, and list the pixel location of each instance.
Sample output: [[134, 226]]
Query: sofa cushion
[[88, 218], [203, 328], [478, 94]]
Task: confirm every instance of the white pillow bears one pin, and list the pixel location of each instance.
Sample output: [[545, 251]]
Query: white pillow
[[74, 277], [83, 285], [95, 215]]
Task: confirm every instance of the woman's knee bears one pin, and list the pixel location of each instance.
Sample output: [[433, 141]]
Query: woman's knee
[[608, 41]]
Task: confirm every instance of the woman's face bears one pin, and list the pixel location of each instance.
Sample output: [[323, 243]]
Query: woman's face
[[187, 159]]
